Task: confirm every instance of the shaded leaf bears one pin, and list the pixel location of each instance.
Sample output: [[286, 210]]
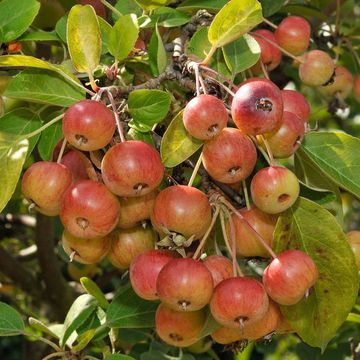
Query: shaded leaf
[[193, 5], [84, 38], [127, 7], [311, 228], [40, 35], [119, 357], [270, 7], [319, 196], [40, 326], [92, 289], [210, 326], [235, 19], [105, 29], [169, 17], [49, 139], [11, 322], [43, 87], [153, 4], [123, 36], [177, 145], [157, 53], [15, 18], [134, 134]]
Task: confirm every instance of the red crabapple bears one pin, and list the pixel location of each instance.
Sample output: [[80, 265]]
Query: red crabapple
[[342, 85], [296, 103], [220, 267]]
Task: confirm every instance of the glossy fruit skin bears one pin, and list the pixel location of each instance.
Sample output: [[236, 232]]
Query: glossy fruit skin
[[184, 284], [296, 103], [287, 139], [287, 278], [77, 163], [357, 88], [257, 107], [220, 268], [88, 125], [130, 164], [126, 244], [238, 298], [226, 335], [247, 243], [317, 69], [270, 54], [179, 329], [205, 116], [354, 241], [342, 85], [230, 157], [89, 210], [293, 34], [88, 251], [144, 271], [134, 210], [274, 189], [44, 183], [182, 209]]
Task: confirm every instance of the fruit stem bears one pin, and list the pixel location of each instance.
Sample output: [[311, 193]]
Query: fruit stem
[[58, 354], [61, 153], [233, 245], [112, 8], [265, 72], [212, 71], [268, 149], [117, 118], [196, 169], [259, 147], [209, 55], [270, 23], [202, 84], [260, 238], [44, 340], [296, 58], [197, 82], [223, 86], [40, 130], [226, 239], [246, 194], [206, 235]]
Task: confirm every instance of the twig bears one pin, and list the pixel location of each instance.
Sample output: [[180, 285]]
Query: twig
[[203, 67], [196, 169], [265, 72], [44, 340], [268, 149], [117, 118], [270, 23], [61, 153], [112, 8], [246, 194], [58, 354]]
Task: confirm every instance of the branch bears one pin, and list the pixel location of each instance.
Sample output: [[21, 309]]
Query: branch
[[58, 291]]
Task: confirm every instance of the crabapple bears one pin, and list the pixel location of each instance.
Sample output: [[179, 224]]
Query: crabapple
[[78, 164], [342, 85], [354, 241], [220, 267], [296, 103]]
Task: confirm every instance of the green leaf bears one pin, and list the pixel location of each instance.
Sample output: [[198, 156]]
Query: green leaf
[[153, 4], [241, 54], [270, 7], [15, 18], [140, 127], [21, 121], [40, 326], [83, 340], [149, 106], [92, 289], [105, 29], [210, 326], [337, 155], [123, 36], [49, 138], [311, 228], [127, 7], [119, 357], [127, 310], [319, 196], [177, 145], [134, 134], [304, 10], [236, 18], [169, 17], [157, 53], [210, 5], [11, 322], [81, 309], [352, 317], [84, 38], [40, 35], [12, 157], [43, 87]]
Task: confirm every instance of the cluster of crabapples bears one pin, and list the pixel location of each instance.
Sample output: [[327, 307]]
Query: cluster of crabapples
[[106, 191]]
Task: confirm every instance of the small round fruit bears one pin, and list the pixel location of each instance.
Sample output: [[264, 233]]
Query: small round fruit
[[127, 244], [288, 277], [177, 328], [78, 164], [205, 116], [317, 68], [354, 241], [342, 85], [296, 103], [225, 335], [44, 184], [220, 267], [182, 209], [89, 210], [132, 168], [144, 271], [357, 88], [287, 139], [247, 242], [238, 301], [274, 189], [230, 157], [257, 107], [88, 125], [85, 251], [293, 34], [270, 54], [184, 285], [134, 210]]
